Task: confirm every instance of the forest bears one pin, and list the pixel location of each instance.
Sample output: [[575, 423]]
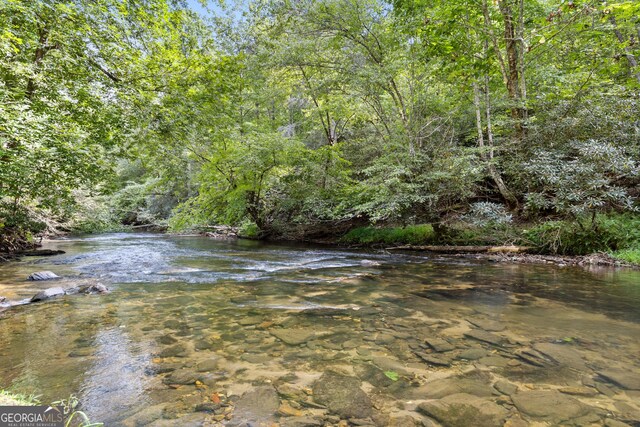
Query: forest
[[352, 121]]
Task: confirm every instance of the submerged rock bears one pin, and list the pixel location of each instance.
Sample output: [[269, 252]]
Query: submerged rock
[[42, 275], [48, 294], [562, 354], [474, 383], [439, 345], [484, 336], [342, 395], [178, 350], [626, 379], [487, 324], [505, 387], [465, 410], [97, 288], [182, 377], [257, 406], [472, 354], [294, 336], [550, 405]]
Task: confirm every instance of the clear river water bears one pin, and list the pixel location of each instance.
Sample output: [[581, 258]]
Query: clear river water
[[197, 331]]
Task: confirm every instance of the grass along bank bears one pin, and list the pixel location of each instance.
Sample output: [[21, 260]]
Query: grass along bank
[[615, 235]]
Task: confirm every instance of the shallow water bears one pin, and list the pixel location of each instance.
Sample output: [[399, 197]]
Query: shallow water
[[243, 316]]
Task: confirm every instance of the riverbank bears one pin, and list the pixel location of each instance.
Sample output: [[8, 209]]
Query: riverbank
[[612, 240]]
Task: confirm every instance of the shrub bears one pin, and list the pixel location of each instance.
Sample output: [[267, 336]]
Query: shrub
[[487, 214], [581, 180], [412, 234], [610, 233], [629, 255], [249, 230]]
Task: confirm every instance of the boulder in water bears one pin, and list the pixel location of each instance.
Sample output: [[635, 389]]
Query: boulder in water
[[342, 395], [42, 275], [48, 294], [256, 407], [464, 409], [97, 288]]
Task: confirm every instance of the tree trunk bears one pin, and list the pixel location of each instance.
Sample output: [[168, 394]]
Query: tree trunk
[[493, 171], [513, 80], [633, 64]]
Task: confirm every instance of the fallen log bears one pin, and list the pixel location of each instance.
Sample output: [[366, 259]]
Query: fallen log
[[463, 249], [40, 252]]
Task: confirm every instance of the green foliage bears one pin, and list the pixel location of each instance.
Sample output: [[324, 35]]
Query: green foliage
[[610, 233], [307, 116], [411, 234], [581, 179], [628, 255], [249, 230]]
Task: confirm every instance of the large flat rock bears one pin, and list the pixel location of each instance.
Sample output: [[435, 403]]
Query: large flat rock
[[294, 336], [48, 294], [628, 380], [342, 395], [562, 354], [42, 275], [256, 407], [465, 410], [550, 405], [486, 337]]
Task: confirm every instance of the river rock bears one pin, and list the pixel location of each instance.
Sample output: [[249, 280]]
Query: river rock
[[487, 325], [342, 395], [505, 387], [301, 422], [434, 360], [439, 345], [208, 365], [484, 336], [628, 380], [97, 288], [628, 412], [178, 350], [579, 391], [167, 339], [208, 407], [48, 294], [3, 299], [256, 358], [464, 410], [42, 275], [475, 383], [181, 376], [257, 406], [472, 354], [549, 405], [294, 336], [562, 354], [144, 417]]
